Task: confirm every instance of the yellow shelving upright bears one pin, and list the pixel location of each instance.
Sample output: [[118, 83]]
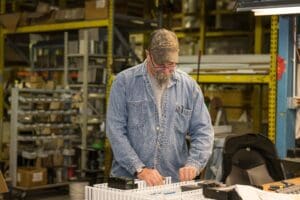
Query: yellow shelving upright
[[273, 79]]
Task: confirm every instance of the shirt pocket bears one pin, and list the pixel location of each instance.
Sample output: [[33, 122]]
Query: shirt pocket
[[182, 119], [136, 113]]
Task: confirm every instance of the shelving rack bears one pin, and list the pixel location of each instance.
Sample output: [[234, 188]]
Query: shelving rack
[[104, 23], [257, 80], [122, 20], [96, 117], [23, 113]]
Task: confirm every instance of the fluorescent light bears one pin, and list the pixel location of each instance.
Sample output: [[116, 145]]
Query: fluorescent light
[[276, 11], [269, 7]]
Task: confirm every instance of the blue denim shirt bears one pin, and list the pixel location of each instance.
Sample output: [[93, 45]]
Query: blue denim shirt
[[139, 138]]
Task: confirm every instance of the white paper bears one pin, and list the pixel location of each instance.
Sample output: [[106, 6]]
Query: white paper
[[37, 177], [252, 193]]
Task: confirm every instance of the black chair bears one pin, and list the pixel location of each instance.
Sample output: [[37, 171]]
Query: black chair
[[250, 159]]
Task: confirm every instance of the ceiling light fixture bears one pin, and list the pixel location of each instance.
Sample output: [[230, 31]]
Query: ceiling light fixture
[[269, 7]]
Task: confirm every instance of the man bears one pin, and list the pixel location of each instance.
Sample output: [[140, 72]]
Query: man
[[153, 107]]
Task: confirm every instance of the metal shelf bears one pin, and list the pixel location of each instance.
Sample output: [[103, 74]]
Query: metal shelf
[[59, 26], [44, 137], [43, 99], [96, 96], [232, 78], [227, 33], [48, 112], [222, 12], [75, 55], [30, 90], [53, 69], [46, 125], [183, 34]]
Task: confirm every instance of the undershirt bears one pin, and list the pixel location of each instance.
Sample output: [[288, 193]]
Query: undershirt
[[158, 91]]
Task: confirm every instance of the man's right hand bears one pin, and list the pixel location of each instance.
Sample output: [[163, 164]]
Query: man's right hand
[[151, 177]]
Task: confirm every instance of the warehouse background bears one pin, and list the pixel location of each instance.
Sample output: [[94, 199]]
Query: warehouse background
[[59, 57]]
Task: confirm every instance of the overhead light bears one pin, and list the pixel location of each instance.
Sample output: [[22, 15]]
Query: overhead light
[[269, 7], [277, 11]]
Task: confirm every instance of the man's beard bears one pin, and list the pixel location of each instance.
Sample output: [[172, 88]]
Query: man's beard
[[162, 78]]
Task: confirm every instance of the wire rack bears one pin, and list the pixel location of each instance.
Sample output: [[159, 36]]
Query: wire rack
[[168, 191]]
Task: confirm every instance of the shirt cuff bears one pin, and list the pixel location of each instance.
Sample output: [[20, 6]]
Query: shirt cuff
[[194, 164], [136, 167]]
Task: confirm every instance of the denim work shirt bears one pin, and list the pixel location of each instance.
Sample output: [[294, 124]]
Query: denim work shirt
[[140, 139]]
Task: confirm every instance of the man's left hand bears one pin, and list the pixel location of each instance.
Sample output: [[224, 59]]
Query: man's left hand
[[187, 173]]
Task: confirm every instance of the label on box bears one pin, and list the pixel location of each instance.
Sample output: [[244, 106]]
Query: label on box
[[37, 177], [100, 3]]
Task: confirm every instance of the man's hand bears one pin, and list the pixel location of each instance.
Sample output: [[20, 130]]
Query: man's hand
[[187, 173], [151, 177]]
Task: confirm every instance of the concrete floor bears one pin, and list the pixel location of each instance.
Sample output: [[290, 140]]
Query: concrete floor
[[49, 197], [52, 197], [58, 194]]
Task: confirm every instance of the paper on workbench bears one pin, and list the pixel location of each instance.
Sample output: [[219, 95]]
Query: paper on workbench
[[251, 193]]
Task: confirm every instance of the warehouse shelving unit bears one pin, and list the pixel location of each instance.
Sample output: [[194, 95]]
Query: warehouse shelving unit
[[66, 26], [88, 62], [265, 79], [257, 33], [121, 20], [48, 116], [204, 32]]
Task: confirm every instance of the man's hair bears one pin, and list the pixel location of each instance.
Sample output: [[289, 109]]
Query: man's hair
[[163, 39]]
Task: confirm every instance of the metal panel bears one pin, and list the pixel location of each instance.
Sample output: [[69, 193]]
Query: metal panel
[[285, 117]]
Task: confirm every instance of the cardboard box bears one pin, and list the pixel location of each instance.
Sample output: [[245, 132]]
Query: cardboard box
[[24, 21], [130, 8], [10, 21], [55, 105], [50, 85], [44, 13], [58, 160], [96, 9], [3, 185], [31, 176], [69, 14]]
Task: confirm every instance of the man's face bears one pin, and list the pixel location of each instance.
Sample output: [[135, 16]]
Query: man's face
[[161, 71]]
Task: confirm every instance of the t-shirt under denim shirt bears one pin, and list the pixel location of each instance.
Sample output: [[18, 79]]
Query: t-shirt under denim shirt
[[140, 138]]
